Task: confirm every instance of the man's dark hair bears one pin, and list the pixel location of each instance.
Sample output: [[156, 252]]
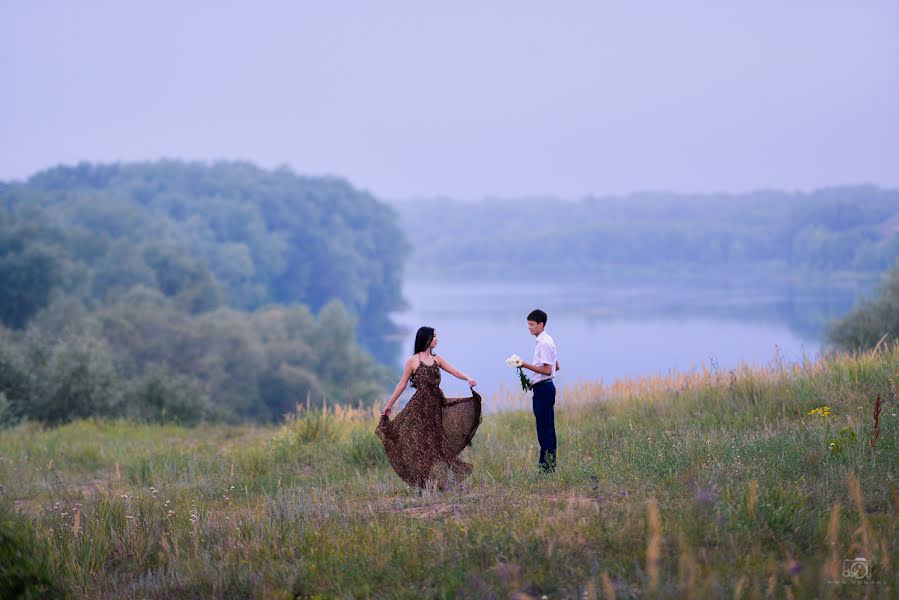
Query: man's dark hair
[[537, 316]]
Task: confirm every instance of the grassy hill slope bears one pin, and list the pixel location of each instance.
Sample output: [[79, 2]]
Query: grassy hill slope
[[712, 484]]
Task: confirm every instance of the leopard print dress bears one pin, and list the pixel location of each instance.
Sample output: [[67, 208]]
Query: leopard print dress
[[423, 442]]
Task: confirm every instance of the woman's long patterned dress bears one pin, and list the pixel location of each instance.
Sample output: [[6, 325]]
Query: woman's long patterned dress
[[425, 439]]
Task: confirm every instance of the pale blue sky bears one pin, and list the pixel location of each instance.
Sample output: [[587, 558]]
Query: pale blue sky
[[464, 98]]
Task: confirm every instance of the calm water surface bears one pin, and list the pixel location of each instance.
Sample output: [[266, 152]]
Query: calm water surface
[[604, 332]]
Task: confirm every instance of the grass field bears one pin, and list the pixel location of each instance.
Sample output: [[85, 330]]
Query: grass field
[[708, 484]]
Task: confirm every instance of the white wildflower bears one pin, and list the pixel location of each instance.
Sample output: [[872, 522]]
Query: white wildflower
[[514, 361]]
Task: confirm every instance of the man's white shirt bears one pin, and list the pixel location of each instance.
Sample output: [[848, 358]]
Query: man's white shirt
[[544, 354]]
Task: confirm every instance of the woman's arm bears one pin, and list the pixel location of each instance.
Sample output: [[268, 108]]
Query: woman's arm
[[401, 386], [443, 364]]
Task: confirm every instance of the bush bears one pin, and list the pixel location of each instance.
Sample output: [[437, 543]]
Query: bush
[[870, 321], [312, 427], [8, 416], [78, 380], [161, 398], [22, 573], [15, 387], [364, 449]]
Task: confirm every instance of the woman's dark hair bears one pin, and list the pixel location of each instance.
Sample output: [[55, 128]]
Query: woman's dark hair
[[538, 316], [422, 340]]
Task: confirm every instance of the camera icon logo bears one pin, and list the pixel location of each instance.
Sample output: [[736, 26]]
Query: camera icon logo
[[856, 568]]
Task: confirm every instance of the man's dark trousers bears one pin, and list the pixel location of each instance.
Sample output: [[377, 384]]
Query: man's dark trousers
[[544, 400]]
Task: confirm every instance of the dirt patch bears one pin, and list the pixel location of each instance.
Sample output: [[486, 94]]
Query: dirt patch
[[419, 508], [433, 511], [569, 500], [584, 501], [457, 506]]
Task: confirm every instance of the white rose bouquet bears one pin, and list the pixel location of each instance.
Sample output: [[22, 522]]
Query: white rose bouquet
[[516, 362]]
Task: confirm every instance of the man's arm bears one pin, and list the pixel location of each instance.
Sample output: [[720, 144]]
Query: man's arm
[[542, 354], [543, 369]]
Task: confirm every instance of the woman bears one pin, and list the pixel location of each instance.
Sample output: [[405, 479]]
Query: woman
[[424, 440]]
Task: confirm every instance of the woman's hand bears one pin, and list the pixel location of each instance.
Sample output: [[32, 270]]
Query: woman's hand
[[472, 383], [386, 411]]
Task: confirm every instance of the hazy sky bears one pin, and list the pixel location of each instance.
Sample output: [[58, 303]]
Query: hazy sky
[[463, 98]]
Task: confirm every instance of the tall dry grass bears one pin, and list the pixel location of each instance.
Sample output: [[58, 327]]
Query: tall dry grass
[[703, 484]]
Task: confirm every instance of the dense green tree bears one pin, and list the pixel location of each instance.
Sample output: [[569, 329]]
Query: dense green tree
[[29, 273], [142, 356], [180, 292], [264, 236]]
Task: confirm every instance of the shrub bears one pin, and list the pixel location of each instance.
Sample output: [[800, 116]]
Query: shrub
[[363, 449], [22, 573], [77, 381], [162, 398], [871, 320]]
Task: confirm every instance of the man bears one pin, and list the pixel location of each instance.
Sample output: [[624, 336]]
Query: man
[[544, 367]]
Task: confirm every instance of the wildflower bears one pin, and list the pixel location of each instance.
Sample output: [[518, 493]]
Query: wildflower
[[514, 361], [824, 411]]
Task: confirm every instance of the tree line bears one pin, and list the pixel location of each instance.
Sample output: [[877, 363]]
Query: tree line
[[850, 229], [188, 291]]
